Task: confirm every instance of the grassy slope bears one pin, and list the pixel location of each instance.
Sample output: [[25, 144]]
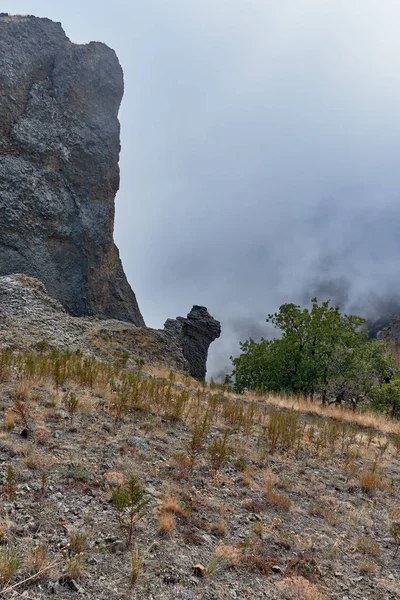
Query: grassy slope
[[291, 505]]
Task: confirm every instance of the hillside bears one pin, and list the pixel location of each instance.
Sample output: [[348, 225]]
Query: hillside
[[270, 502]]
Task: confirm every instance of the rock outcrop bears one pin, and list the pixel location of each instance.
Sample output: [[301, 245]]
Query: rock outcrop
[[59, 150], [28, 315], [194, 335]]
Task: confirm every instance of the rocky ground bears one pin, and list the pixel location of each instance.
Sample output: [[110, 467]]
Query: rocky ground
[[244, 499]]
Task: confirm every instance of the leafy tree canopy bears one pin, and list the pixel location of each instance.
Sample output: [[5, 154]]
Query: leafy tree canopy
[[320, 351]]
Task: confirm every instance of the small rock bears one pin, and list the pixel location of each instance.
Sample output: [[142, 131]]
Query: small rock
[[137, 442], [276, 569], [199, 570], [71, 584], [117, 547]]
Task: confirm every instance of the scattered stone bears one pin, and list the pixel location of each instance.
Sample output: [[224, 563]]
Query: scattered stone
[[276, 569], [137, 442], [118, 547], [199, 570]]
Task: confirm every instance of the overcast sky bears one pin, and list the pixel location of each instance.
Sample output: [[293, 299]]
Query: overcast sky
[[260, 152]]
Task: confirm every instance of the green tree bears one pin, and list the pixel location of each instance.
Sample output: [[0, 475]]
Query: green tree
[[386, 397], [319, 351]]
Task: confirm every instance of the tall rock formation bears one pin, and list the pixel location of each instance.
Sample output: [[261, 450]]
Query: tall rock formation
[[194, 335], [59, 150]]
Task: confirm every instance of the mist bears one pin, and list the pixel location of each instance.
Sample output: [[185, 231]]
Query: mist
[[260, 143]]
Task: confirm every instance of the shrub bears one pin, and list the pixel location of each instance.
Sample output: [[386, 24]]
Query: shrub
[[129, 501]]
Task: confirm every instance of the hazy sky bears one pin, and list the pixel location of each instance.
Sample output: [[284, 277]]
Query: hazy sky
[[260, 152]]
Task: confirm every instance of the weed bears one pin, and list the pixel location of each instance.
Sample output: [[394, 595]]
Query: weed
[[183, 464], [37, 557], [78, 542], [9, 563], [247, 477], [219, 451], [273, 497], [199, 433], [71, 403], [367, 567], [215, 563], [76, 567], [219, 527], [43, 483], [368, 546], [21, 409], [283, 430], [396, 442]]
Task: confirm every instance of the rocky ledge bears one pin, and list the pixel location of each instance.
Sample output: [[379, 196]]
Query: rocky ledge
[[28, 315]]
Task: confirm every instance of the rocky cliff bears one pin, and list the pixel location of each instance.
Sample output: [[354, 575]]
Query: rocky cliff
[[59, 150]]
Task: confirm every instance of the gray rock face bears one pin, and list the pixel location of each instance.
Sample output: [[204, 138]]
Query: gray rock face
[[59, 150], [194, 335], [28, 315]]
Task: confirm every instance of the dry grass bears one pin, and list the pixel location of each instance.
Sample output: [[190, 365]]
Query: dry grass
[[370, 481], [219, 527], [272, 496], [231, 555], [298, 588], [167, 524], [367, 567], [367, 546], [171, 504], [363, 419], [247, 477], [76, 567], [37, 558], [10, 420]]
